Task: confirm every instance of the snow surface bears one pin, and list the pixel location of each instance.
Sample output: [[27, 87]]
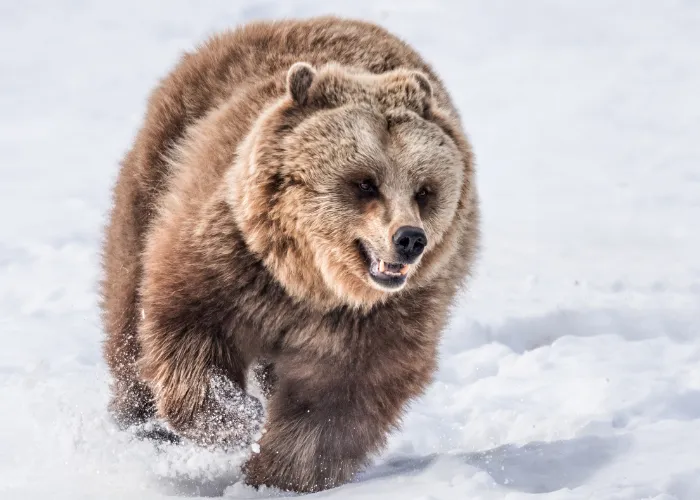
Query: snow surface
[[572, 367]]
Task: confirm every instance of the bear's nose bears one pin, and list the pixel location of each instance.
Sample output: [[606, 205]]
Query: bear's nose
[[410, 242]]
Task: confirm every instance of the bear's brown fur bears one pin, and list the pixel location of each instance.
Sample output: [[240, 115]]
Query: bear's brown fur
[[252, 222]]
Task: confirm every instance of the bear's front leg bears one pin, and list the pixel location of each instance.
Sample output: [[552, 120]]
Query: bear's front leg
[[198, 382], [323, 423], [211, 410]]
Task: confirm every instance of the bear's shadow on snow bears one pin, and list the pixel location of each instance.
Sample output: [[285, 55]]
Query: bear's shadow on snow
[[537, 467]]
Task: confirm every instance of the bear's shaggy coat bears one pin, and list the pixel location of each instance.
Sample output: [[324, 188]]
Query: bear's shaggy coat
[[239, 236]]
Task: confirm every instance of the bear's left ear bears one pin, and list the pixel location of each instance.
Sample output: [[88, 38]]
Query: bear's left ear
[[299, 78]]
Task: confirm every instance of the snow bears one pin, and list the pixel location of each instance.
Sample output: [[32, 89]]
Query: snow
[[571, 369]]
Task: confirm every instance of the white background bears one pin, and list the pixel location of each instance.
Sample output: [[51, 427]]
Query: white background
[[572, 367]]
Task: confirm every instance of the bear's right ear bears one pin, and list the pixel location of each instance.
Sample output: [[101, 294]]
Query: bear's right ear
[[299, 78]]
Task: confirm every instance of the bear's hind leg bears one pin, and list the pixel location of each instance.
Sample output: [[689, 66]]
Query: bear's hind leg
[[131, 403], [132, 400]]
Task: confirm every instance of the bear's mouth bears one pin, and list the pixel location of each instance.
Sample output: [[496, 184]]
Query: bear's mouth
[[386, 274]]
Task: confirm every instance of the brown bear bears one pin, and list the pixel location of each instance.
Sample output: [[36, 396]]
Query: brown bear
[[302, 197]]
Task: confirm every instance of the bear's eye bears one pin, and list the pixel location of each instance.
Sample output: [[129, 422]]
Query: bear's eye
[[422, 197], [367, 187]]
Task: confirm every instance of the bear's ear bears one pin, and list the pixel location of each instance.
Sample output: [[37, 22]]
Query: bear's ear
[[427, 88], [299, 78]]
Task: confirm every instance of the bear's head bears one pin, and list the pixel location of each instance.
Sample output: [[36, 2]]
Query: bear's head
[[354, 186]]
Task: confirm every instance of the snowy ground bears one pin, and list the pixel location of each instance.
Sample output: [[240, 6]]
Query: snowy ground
[[572, 367]]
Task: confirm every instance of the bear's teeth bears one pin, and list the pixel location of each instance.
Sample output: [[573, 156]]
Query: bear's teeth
[[404, 270], [381, 266]]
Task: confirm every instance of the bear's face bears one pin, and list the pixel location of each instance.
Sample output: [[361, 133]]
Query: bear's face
[[366, 187]]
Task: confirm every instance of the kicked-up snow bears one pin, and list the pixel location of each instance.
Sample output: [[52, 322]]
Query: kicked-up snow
[[571, 369]]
